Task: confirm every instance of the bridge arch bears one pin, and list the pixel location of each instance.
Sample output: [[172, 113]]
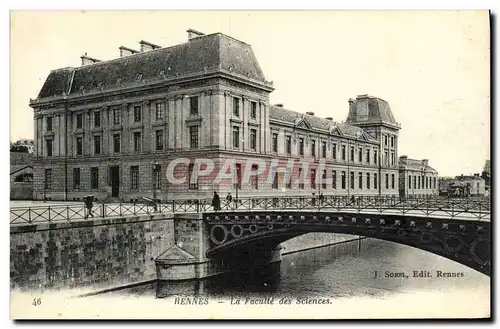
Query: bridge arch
[[466, 242]]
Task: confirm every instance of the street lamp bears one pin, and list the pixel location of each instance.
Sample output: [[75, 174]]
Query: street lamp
[[155, 174]]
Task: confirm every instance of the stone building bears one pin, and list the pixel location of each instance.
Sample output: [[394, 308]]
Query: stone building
[[115, 128], [417, 178]]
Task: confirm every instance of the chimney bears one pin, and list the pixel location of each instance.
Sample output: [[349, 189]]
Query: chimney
[[403, 159], [147, 46], [425, 162], [86, 60], [192, 34], [329, 118], [124, 51], [278, 105], [310, 113]]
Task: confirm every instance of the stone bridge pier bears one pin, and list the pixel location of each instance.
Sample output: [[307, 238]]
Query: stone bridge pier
[[187, 258]]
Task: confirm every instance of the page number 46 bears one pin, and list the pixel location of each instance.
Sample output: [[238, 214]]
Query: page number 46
[[37, 302]]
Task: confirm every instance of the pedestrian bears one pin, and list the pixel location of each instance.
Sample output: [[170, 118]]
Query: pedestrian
[[89, 205], [321, 198], [216, 202], [229, 199]]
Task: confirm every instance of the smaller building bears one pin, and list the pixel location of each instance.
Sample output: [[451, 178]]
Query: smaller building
[[21, 176], [21, 182], [28, 143], [463, 185], [417, 178]]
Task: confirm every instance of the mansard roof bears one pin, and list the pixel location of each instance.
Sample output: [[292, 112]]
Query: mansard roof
[[370, 109], [295, 118], [208, 53]]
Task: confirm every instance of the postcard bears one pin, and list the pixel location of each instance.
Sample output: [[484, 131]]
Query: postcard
[[250, 165]]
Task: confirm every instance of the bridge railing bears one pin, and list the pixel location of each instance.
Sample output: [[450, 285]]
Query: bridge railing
[[466, 208]]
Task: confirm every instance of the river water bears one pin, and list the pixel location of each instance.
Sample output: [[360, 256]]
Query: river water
[[337, 272]]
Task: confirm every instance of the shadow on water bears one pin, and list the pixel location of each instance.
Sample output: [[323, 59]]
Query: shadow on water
[[333, 271]]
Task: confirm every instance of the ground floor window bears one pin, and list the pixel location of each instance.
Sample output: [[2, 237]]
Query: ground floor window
[[134, 177], [94, 178]]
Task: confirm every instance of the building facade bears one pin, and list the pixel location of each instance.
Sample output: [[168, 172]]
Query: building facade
[[464, 185], [417, 178], [200, 112]]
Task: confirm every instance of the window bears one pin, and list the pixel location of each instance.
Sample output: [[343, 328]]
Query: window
[[409, 181], [352, 154], [116, 143], [97, 119], [137, 141], [386, 158], [275, 180], [193, 105], [334, 151], [368, 156], [48, 179], [236, 107], [79, 146], [193, 137], [323, 149], [301, 179], [301, 146], [97, 144], [159, 140], [236, 137], [160, 108], [193, 184], [137, 114], [253, 139], [352, 180], [238, 176], [323, 179], [48, 142], [334, 179], [79, 121], [94, 177], [375, 156], [313, 147], [392, 158], [360, 180], [76, 178], [414, 182], [375, 181], [253, 110], [392, 181], [342, 181], [419, 182], [288, 177], [343, 152], [426, 182], [392, 141], [289, 144], [49, 123], [134, 177], [313, 178], [116, 116], [157, 176], [275, 142], [367, 181], [386, 181], [385, 140], [434, 182], [254, 178], [360, 155]]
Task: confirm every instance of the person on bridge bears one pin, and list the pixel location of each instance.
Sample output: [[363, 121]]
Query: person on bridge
[[89, 205], [216, 202], [229, 199], [321, 198]]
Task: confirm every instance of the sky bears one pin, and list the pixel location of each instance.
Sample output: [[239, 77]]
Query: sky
[[433, 67]]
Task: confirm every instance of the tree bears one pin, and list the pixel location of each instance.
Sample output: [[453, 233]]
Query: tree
[[18, 148]]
